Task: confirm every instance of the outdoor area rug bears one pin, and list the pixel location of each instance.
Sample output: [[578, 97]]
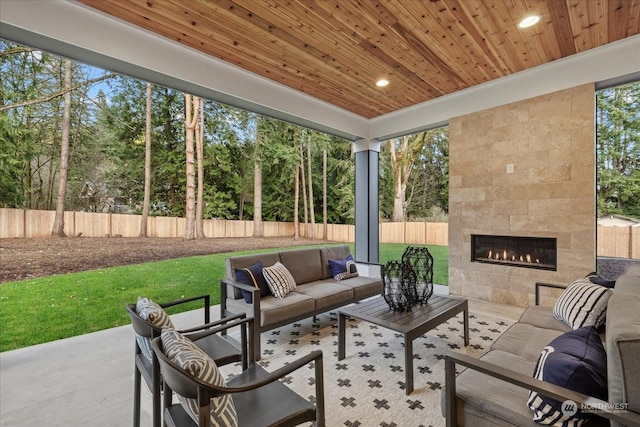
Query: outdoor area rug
[[366, 388]]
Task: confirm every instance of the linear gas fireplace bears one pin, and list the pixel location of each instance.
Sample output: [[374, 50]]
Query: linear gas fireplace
[[526, 252]]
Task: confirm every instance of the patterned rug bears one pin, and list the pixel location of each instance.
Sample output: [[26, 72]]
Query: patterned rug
[[366, 388]]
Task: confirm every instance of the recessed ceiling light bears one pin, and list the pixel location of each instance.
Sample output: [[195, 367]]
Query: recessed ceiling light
[[382, 82], [529, 21]]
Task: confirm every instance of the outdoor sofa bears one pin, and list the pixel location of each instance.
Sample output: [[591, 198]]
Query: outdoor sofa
[[317, 288], [494, 390]]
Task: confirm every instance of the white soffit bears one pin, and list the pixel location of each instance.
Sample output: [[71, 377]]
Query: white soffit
[[605, 63], [73, 30]]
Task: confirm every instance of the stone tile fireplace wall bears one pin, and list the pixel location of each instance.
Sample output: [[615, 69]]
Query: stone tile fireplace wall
[[523, 169]]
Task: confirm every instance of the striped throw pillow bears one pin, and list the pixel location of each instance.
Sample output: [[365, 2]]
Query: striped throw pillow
[[154, 314], [582, 303], [184, 353], [279, 279]]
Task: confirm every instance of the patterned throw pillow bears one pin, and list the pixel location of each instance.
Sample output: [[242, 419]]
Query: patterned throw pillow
[[582, 303], [343, 269], [279, 279], [184, 353], [154, 314], [575, 360], [252, 276]]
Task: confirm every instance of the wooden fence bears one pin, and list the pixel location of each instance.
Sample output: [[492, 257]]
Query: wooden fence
[[17, 223]]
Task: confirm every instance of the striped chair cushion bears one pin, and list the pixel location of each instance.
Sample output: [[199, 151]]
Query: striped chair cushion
[[154, 314], [184, 353], [279, 279], [582, 303]]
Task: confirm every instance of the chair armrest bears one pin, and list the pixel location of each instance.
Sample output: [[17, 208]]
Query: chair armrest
[[525, 381], [214, 323], [206, 303], [546, 285], [373, 264], [255, 311], [314, 356], [246, 338]]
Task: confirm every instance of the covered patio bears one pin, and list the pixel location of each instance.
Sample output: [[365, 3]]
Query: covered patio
[[519, 101], [88, 380]]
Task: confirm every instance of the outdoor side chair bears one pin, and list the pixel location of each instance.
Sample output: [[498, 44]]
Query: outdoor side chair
[[259, 398], [222, 349]]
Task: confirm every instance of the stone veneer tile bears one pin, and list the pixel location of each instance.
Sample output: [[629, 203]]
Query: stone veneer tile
[[550, 142]]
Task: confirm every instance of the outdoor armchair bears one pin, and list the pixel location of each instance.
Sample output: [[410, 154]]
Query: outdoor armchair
[[253, 398], [220, 348]]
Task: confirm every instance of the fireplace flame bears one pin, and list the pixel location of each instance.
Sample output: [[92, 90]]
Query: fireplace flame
[[513, 257]]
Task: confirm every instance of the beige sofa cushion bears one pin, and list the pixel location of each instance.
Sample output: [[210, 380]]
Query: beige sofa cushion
[[525, 341], [303, 264], [326, 294], [623, 341], [542, 317], [334, 253]]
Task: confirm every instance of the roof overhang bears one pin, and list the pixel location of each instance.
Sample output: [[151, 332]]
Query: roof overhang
[[70, 29]]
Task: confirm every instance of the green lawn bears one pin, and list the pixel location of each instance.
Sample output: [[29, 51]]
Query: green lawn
[[50, 308]]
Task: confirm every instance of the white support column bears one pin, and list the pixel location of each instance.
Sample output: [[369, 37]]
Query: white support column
[[367, 155]]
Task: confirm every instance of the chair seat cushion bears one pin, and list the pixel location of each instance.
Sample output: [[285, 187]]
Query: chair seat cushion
[[185, 354]]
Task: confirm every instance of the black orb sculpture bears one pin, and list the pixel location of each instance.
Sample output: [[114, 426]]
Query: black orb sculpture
[[399, 289]]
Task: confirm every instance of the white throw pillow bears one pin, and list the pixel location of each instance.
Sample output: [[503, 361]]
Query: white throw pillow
[[279, 279], [582, 303]]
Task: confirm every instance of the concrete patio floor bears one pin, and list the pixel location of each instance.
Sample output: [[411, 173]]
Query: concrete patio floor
[[88, 380]]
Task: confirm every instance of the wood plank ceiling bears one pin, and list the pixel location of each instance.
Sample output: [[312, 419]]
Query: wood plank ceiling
[[336, 50]]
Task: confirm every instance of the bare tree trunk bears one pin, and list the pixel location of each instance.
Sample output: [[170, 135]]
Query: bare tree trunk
[[147, 167], [257, 185], [58, 222], [325, 226], [312, 213], [304, 191], [200, 156], [190, 120], [296, 204]]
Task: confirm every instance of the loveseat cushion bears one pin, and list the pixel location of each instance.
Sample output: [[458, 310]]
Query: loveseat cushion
[[331, 252], [326, 294], [575, 360], [363, 286], [274, 310], [542, 317], [303, 264], [525, 341]]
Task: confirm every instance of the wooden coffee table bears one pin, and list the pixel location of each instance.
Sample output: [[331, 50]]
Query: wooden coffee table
[[411, 324]]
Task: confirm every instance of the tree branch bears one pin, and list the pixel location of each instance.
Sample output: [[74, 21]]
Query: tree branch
[[56, 94]]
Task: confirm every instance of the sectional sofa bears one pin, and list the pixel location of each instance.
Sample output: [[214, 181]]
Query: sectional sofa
[[494, 390]]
